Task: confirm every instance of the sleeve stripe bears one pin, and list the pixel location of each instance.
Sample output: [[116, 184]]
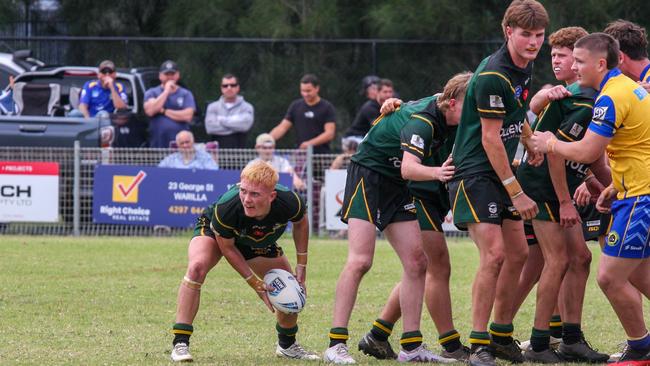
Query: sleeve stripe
[[491, 111], [216, 216], [299, 206], [413, 148], [378, 119], [422, 119], [565, 135], [584, 105], [501, 76]]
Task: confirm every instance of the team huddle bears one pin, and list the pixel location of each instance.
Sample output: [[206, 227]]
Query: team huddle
[[584, 175]]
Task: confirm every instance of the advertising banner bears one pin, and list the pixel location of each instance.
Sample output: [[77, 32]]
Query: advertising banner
[[29, 191], [145, 195]]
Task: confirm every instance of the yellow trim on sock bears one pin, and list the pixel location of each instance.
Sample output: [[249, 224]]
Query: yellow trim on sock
[[344, 337], [382, 327], [181, 331], [410, 340], [555, 324], [479, 341], [448, 338], [499, 334]]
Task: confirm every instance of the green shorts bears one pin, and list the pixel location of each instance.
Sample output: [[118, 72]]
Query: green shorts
[[594, 223], [375, 198], [202, 228], [548, 211], [480, 198], [429, 216]]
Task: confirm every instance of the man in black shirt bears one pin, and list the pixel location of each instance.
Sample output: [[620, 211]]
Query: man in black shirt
[[369, 111], [313, 117]]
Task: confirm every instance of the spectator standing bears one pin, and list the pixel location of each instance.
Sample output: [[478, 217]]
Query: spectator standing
[[229, 119], [313, 117], [103, 95], [265, 146], [169, 106], [188, 156], [369, 111]]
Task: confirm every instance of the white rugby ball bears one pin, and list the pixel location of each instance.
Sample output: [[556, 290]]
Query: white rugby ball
[[287, 295]]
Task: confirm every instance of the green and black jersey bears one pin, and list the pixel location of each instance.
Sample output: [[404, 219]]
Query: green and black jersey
[[435, 190], [416, 127], [498, 90], [229, 220], [568, 119]]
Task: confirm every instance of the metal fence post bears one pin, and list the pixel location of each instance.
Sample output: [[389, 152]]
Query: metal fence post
[[76, 198], [310, 187]]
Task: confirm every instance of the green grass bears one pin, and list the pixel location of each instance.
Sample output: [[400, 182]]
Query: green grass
[[107, 300]]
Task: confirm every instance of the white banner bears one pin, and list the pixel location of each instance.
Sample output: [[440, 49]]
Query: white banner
[[334, 190], [29, 192]]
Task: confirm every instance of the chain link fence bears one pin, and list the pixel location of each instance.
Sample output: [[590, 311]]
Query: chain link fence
[[76, 181]]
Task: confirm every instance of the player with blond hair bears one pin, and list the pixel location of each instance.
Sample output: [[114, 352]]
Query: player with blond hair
[[243, 226]]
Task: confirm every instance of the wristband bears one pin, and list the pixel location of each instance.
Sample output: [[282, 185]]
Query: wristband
[[517, 194], [550, 145], [301, 259], [526, 131], [512, 187], [257, 284]]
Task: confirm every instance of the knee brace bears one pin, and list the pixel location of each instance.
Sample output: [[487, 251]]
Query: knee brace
[[191, 284]]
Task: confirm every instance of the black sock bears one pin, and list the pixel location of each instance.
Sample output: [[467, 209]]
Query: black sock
[[411, 340], [286, 336], [539, 339], [182, 333], [338, 335], [450, 341], [381, 329], [555, 326], [571, 333], [478, 339], [502, 333]]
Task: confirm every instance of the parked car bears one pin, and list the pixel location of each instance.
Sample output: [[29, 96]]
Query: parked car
[[45, 98], [16, 63]]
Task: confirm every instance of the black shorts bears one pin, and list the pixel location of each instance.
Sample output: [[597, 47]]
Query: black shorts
[[480, 198], [202, 228], [429, 216], [594, 224], [375, 198]]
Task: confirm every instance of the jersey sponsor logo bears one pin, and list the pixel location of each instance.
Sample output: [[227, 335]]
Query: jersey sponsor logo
[[514, 130], [95, 93], [180, 101], [518, 90], [417, 141], [640, 93], [575, 130], [525, 94], [394, 161], [579, 168], [309, 114], [632, 247], [593, 223], [496, 101], [612, 238], [600, 113], [409, 206]]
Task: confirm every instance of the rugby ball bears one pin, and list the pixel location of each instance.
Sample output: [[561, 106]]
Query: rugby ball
[[287, 296]]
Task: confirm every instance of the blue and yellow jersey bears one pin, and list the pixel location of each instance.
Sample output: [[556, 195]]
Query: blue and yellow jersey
[[99, 99], [645, 75], [622, 113]]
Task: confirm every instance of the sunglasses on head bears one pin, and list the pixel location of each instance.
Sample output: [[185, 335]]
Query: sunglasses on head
[[233, 85], [107, 70]]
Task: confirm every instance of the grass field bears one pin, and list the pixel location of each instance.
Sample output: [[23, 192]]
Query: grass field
[[107, 300]]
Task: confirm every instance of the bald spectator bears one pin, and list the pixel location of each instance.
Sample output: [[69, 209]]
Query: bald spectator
[[188, 156]]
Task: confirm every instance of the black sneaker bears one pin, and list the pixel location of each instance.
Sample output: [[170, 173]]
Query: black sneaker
[[461, 354], [509, 352], [630, 354], [548, 355], [482, 356], [376, 348], [581, 352]]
